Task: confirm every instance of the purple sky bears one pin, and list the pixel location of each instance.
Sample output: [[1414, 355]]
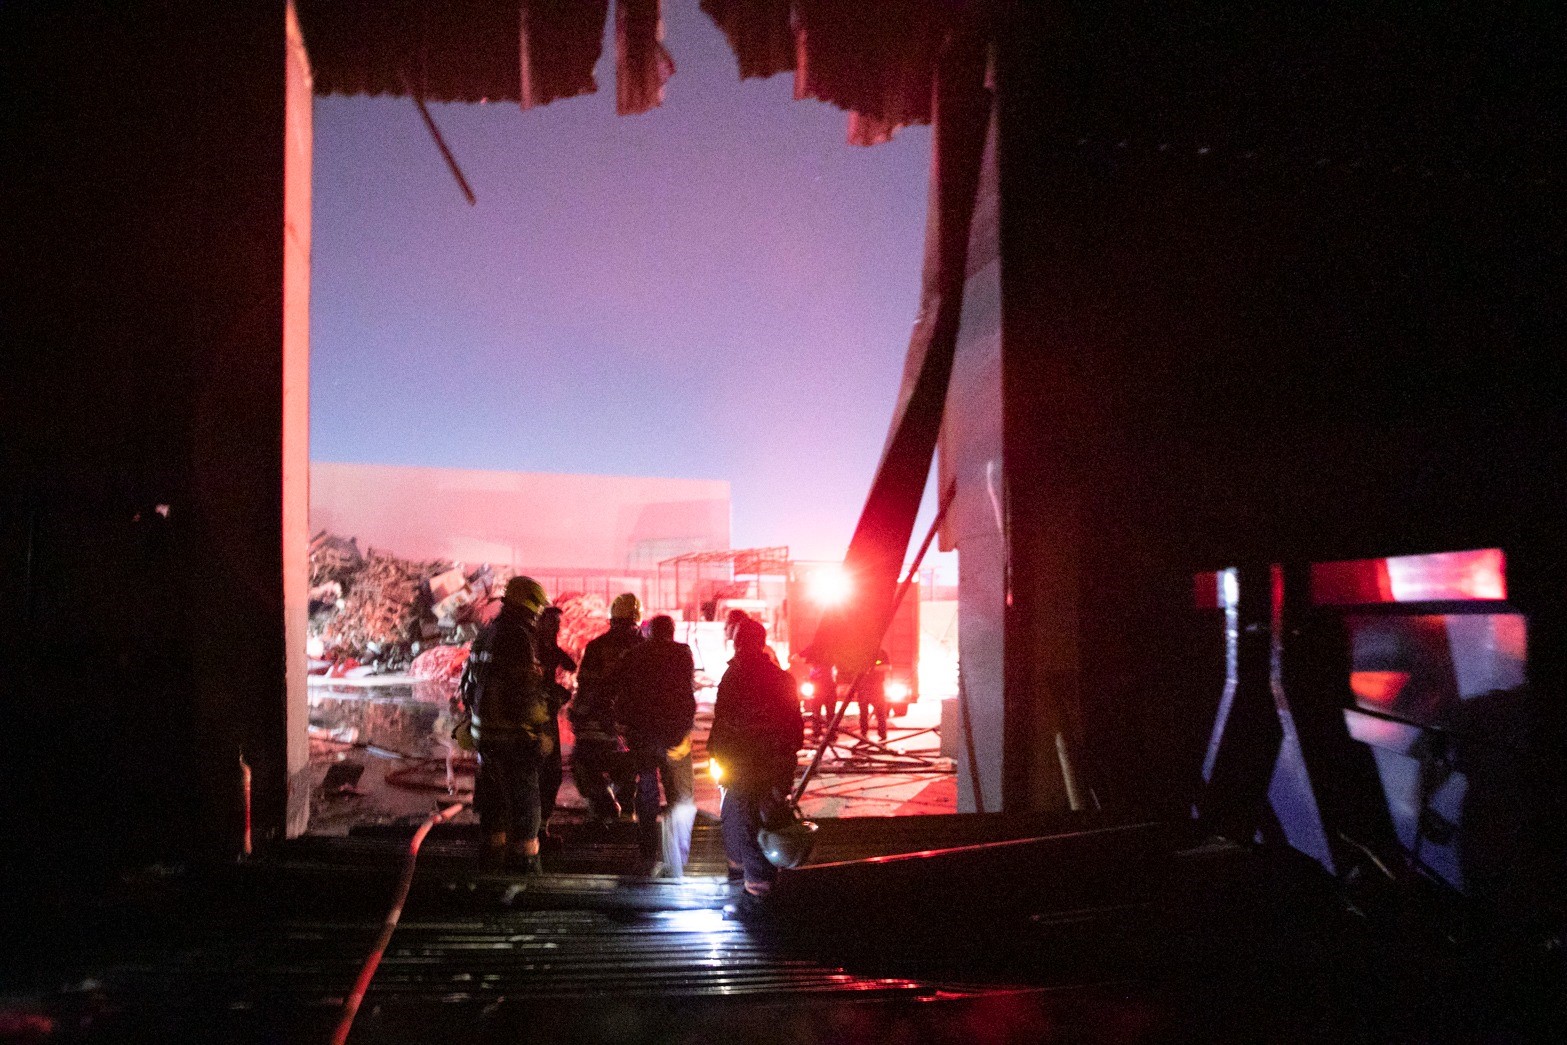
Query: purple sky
[[718, 289]]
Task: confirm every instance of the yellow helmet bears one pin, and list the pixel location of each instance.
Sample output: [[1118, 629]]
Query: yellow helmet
[[626, 605], [526, 594]]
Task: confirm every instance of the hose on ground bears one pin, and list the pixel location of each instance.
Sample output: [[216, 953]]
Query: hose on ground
[[367, 972]]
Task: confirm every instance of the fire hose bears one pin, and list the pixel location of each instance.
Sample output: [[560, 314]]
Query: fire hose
[[367, 973]]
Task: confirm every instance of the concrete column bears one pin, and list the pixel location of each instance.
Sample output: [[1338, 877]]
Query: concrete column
[[298, 144]]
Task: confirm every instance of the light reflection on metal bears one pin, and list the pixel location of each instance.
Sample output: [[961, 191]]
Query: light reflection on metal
[[1229, 588], [696, 920], [1213, 590], [1431, 668], [1480, 574], [244, 783]]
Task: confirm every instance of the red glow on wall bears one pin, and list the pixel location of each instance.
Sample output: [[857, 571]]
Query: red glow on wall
[[1444, 576], [1510, 636], [1378, 687], [1206, 593]]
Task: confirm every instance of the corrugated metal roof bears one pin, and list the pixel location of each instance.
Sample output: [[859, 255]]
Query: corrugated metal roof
[[451, 51], [876, 60]]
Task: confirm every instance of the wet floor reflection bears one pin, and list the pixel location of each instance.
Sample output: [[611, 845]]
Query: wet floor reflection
[[407, 719]]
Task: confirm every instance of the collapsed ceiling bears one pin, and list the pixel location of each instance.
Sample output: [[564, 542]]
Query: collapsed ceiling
[[875, 60]]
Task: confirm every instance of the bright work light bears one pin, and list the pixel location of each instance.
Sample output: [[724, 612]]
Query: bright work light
[[830, 585]]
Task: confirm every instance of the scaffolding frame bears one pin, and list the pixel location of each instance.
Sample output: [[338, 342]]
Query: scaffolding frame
[[693, 569]]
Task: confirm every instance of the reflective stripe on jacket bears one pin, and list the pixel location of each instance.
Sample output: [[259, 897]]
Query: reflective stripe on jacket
[[506, 693]]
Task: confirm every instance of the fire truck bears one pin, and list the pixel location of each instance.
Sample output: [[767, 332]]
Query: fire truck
[[814, 587]]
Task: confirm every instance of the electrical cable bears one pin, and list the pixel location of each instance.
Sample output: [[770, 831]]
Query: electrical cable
[[440, 143]]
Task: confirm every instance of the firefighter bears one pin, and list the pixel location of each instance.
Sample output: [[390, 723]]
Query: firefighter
[[823, 699], [599, 765], [656, 706], [872, 698], [755, 741], [552, 661], [733, 621], [503, 692]]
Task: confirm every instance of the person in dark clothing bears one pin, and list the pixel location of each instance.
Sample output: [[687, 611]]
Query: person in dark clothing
[[656, 705], [756, 737], [600, 766], [503, 692], [733, 621], [552, 661], [872, 698], [822, 698]]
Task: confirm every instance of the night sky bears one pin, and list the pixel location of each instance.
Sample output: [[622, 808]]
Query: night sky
[[719, 289]]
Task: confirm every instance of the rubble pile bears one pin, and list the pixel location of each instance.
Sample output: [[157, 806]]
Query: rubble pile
[[375, 609], [441, 664], [582, 618], [333, 563], [381, 610], [333, 560]]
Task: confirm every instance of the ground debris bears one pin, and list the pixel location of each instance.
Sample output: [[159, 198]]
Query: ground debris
[[376, 612], [370, 606]]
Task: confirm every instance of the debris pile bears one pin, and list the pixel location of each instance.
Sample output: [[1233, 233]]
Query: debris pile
[[582, 618], [382, 610], [333, 560], [374, 612], [441, 664]]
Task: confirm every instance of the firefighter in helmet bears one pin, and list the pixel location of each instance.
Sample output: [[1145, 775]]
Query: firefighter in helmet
[[600, 765], [503, 691]]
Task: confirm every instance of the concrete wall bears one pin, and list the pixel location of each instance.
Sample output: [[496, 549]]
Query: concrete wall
[[145, 427], [530, 520]]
